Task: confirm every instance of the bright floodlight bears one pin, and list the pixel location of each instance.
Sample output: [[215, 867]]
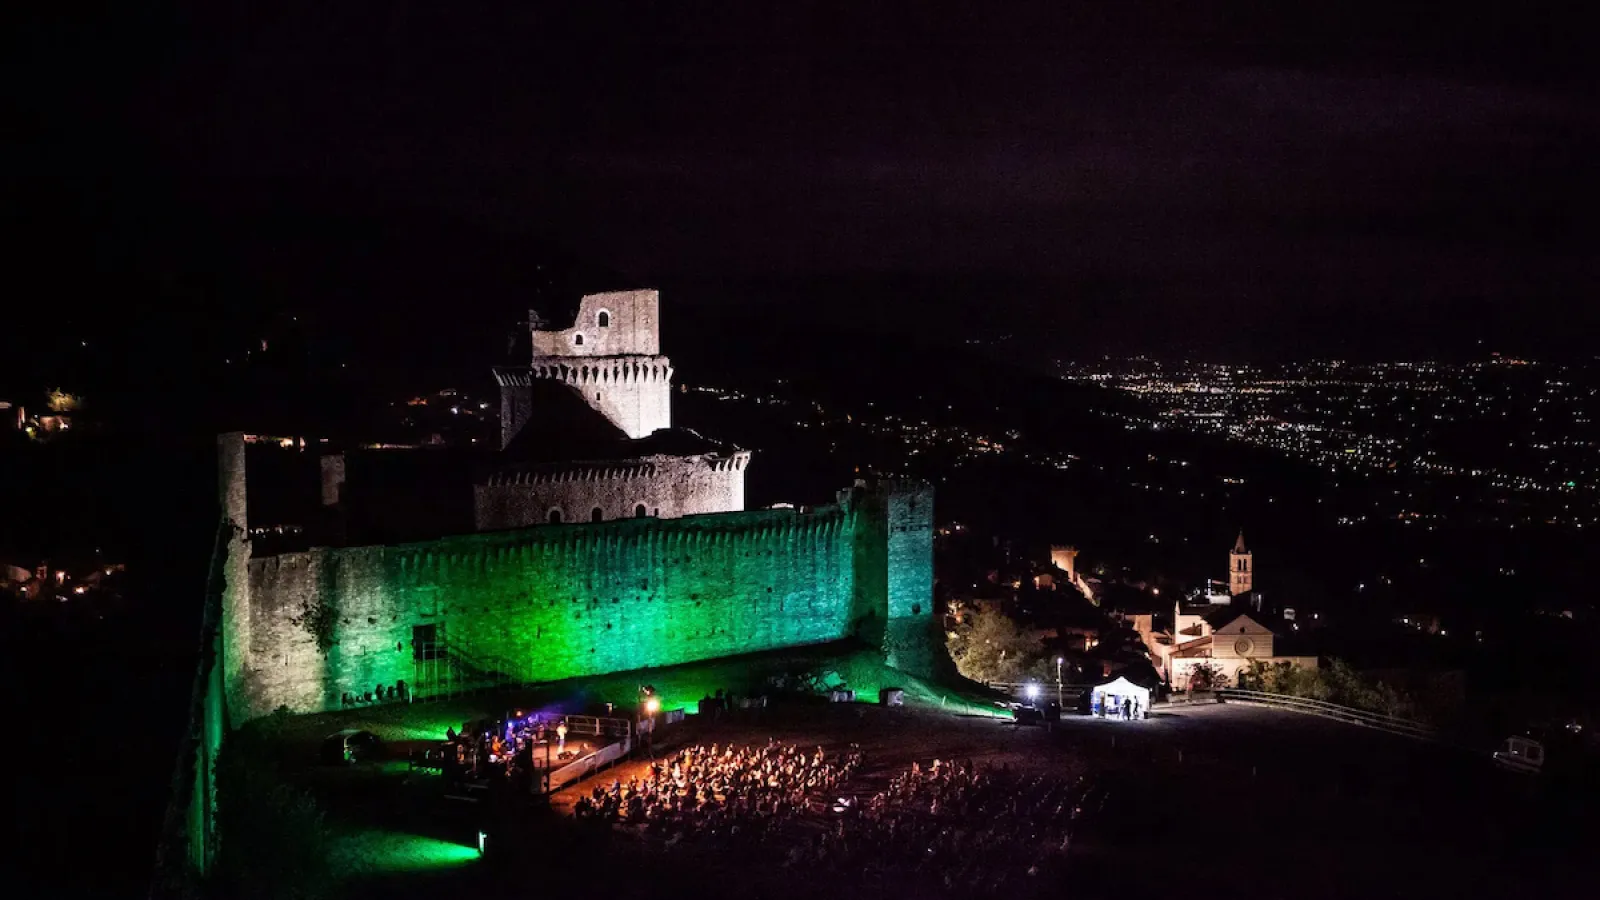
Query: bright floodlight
[[652, 706], [1032, 691]]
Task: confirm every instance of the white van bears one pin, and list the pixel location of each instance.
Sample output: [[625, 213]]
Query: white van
[[1521, 754]]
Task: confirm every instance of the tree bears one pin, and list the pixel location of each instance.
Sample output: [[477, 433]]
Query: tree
[[1338, 683], [1207, 676], [60, 401], [1283, 678], [989, 647]]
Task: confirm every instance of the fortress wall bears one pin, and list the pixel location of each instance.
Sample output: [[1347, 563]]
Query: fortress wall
[[550, 603], [668, 487], [233, 494]]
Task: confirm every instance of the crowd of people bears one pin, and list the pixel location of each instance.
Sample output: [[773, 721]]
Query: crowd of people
[[742, 794], [966, 827], [971, 828]]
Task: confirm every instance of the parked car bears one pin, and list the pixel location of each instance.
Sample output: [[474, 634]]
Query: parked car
[[351, 745]]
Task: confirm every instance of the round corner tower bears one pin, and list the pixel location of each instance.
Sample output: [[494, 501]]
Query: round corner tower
[[610, 354]]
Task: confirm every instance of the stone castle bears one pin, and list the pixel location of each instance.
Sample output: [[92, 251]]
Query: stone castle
[[607, 540], [601, 539], [586, 428]]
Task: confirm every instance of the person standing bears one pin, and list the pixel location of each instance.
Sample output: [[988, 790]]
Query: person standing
[[561, 737], [1127, 709]]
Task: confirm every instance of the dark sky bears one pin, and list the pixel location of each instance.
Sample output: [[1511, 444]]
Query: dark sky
[[1144, 176]]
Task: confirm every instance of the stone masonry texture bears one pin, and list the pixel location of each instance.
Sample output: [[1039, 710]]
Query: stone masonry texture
[[549, 603]]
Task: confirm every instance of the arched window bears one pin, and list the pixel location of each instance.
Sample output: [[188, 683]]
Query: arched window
[[595, 515], [639, 511], [577, 340], [555, 516], [603, 320]]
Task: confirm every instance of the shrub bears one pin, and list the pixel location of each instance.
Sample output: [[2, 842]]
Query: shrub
[[1338, 683]]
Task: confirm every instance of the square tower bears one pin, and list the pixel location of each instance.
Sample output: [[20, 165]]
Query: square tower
[[610, 354]]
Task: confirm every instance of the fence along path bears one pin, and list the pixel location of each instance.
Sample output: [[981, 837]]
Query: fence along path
[[1391, 724]]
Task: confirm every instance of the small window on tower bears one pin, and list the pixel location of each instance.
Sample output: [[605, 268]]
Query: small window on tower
[[577, 340], [596, 514], [604, 319], [639, 511], [555, 516]]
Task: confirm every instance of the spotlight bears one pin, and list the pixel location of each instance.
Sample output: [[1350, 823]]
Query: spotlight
[[1032, 691]]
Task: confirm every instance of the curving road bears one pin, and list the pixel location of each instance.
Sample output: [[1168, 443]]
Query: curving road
[[1249, 801]]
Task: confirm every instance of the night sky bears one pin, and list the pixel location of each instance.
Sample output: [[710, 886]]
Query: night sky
[[1366, 178]]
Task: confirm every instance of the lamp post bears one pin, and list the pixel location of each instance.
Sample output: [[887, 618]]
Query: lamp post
[[1059, 660], [652, 705]]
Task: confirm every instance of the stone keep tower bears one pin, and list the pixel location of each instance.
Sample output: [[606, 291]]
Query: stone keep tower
[[1241, 566], [610, 355], [1065, 559]]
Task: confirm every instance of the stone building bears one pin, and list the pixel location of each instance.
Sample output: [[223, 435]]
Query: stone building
[[586, 427], [1222, 637]]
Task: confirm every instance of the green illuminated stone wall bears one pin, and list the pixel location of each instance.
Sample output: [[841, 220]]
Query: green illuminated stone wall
[[556, 602], [910, 636]]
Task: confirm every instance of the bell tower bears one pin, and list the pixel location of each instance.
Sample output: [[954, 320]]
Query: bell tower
[[1241, 568]]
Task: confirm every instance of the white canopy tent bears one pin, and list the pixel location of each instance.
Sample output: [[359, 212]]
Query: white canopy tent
[[1107, 699]]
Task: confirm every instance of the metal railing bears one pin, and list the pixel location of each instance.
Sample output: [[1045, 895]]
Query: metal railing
[[582, 768], [1391, 724], [598, 726]]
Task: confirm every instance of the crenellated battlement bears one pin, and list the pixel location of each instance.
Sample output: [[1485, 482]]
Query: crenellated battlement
[[648, 467], [627, 370], [763, 526]]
